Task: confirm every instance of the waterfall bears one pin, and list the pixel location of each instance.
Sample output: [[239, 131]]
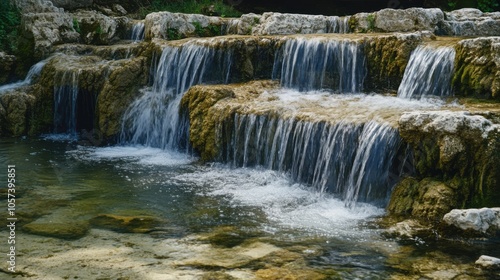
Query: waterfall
[[65, 102], [154, 119], [137, 32], [313, 64], [355, 161], [428, 72], [33, 73], [338, 25]]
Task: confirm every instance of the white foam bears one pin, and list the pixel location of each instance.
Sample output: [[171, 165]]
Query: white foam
[[137, 154], [288, 204]]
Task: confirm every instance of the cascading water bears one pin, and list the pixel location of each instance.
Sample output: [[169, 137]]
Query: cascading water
[[311, 64], [34, 72], [355, 161], [65, 102], [153, 119], [138, 32], [338, 25], [428, 72]]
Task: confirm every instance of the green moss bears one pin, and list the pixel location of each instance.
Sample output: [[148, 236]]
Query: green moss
[[371, 22], [76, 26], [198, 102]]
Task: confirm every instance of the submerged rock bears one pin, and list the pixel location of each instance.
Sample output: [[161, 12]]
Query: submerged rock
[[484, 221], [136, 224], [70, 231]]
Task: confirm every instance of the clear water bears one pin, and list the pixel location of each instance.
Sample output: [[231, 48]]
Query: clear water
[[59, 180]]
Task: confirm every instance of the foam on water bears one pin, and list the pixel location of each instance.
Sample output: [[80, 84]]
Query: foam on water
[[136, 154], [286, 204]]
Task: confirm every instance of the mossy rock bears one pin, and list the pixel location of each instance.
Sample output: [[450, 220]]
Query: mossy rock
[[71, 231], [217, 275], [133, 224], [198, 102], [227, 237]]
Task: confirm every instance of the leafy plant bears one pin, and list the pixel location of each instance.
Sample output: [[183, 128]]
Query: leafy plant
[[371, 22], [76, 25], [452, 4], [173, 34], [10, 18], [487, 5]]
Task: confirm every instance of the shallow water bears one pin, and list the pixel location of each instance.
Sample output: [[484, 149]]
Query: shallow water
[[262, 212]]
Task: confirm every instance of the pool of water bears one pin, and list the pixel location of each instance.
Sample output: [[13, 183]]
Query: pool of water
[[212, 221]]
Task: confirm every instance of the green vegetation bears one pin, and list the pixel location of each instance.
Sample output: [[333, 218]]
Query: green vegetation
[[371, 22], [207, 7], [173, 34], [487, 5], [10, 19], [76, 26]]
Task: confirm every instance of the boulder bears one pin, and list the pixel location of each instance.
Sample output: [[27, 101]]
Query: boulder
[[36, 6], [470, 22], [99, 29], [280, 24], [71, 5], [41, 31], [484, 221], [488, 262], [412, 19], [173, 26]]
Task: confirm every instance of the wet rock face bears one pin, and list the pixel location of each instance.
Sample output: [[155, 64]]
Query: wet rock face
[[460, 149], [479, 222], [477, 65], [7, 67]]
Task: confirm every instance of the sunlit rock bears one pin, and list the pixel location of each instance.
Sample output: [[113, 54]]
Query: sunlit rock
[[484, 221], [488, 262], [174, 26]]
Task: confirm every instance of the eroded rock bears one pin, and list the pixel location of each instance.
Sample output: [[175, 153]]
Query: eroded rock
[[484, 221], [173, 26]]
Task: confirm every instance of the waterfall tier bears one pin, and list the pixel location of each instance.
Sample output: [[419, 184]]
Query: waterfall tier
[[428, 72]]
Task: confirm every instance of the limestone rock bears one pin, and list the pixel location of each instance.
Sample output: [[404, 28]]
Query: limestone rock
[[470, 22], [477, 65], [409, 229], [412, 19], [244, 24], [41, 31], [174, 26], [120, 89], [488, 262], [73, 4], [36, 6], [482, 221], [15, 110], [279, 24], [96, 28], [70, 231]]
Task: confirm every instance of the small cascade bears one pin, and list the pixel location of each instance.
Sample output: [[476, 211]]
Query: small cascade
[[316, 64], [33, 73], [65, 103], [358, 162], [428, 72], [138, 32], [338, 25], [154, 118]]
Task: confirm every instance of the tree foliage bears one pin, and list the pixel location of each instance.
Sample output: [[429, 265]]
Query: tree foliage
[[10, 19]]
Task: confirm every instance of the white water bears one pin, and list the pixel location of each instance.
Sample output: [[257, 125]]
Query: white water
[[309, 64], [428, 72], [153, 119], [137, 34], [65, 99], [285, 203], [33, 73], [339, 25]]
